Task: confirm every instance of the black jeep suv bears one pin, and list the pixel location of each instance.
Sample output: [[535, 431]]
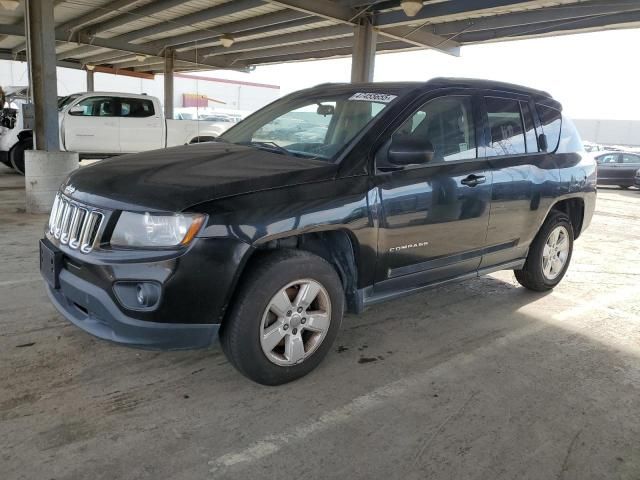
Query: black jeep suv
[[329, 199]]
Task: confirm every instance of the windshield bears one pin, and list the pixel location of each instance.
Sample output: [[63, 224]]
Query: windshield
[[309, 126], [64, 101]]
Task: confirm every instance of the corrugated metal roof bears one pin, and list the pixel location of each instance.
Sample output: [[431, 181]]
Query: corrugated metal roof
[[197, 24]]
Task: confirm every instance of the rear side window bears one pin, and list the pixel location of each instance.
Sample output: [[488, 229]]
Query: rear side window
[[506, 127], [551, 120], [630, 158], [529, 128], [136, 108]]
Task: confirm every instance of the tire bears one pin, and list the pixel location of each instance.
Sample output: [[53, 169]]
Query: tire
[[242, 332], [624, 187], [533, 275], [16, 154]]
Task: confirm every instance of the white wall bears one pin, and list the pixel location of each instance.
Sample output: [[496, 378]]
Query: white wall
[[610, 132]]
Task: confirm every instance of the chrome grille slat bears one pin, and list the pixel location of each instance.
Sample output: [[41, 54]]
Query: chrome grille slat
[[75, 225]]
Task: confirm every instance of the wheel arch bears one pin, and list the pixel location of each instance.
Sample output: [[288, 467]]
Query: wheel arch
[[574, 208], [336, 246]]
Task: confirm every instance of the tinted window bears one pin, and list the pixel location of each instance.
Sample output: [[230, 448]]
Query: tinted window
[[506, 128], [96, 107], [551, 120], [570, 140], [529, 128], [629, 158], [447, 123], [608, 158], [136, 107]]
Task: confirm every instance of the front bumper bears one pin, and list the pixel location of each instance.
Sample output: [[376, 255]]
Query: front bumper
[[90, 308], [195, 288]]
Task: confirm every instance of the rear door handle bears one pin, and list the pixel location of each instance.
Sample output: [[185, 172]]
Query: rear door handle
[[473, 180]]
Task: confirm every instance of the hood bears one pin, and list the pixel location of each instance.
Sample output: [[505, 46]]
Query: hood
[[174, 179]]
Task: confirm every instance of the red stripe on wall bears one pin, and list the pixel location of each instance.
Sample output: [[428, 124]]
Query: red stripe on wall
[[224, 80]]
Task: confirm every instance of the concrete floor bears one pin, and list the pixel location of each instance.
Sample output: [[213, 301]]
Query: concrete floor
[[480, 380]]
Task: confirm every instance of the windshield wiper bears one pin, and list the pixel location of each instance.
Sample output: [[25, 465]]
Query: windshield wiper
[[270, 146]]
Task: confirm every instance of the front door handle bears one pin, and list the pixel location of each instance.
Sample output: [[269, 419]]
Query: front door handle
[[473, 180]]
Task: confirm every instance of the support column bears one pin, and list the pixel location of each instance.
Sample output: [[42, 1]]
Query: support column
[[46, 167], [168, 83], [364, 52], [90, 84]]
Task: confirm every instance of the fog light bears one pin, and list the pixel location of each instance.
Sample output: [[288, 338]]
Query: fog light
[[138, 295], [146, 294]]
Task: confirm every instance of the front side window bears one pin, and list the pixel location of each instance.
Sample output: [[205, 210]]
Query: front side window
[[311, 127], [608, 158], [136, 108], [447, 123], [95, 107], [506, 128]]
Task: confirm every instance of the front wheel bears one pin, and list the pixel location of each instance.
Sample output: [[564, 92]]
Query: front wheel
[[286, 317], [549, 255]]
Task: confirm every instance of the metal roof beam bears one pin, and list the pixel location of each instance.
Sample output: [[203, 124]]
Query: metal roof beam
[[82, 51], [331, 53], [108, 56], [222, 10], [280, 40], [68, 28], [116, 44], [338, 12], [557, 27], [421, 38], [541, 15], [271, 22], [441, 9], [133, 15], [292, 50]]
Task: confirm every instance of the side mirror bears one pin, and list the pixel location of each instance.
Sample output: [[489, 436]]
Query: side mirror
[[325, 110], [408, 150], [542, 142], [76, 110]]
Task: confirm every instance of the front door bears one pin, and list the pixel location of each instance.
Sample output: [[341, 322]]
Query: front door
[[433, 216], [92, 126]]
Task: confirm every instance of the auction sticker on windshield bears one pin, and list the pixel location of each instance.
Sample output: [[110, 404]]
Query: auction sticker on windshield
[[372, 97]]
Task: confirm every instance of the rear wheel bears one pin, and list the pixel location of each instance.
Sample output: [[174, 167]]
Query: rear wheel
[[16, 154], [285, 319], [549, 255]]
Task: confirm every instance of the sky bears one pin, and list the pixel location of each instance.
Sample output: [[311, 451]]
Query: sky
[[594, 75]]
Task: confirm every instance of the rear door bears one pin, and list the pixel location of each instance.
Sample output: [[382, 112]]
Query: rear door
[[433, 216], [141, 125], [607, 168], [520, 176], [92, 126]]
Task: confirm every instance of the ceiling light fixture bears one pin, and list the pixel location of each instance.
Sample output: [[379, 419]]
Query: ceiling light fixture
[[10, 4], [411, 7], [90, 67], [227, 40], [141, 58]]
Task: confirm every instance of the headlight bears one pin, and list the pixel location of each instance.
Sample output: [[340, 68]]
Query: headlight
[[147, 230]]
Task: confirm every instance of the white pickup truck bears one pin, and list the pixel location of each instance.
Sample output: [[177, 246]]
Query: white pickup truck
[[102, 124]]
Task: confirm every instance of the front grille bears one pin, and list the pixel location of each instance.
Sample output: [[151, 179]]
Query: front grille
[[74, 224]]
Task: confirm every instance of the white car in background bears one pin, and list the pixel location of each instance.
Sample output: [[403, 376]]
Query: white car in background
[[104, 124]]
